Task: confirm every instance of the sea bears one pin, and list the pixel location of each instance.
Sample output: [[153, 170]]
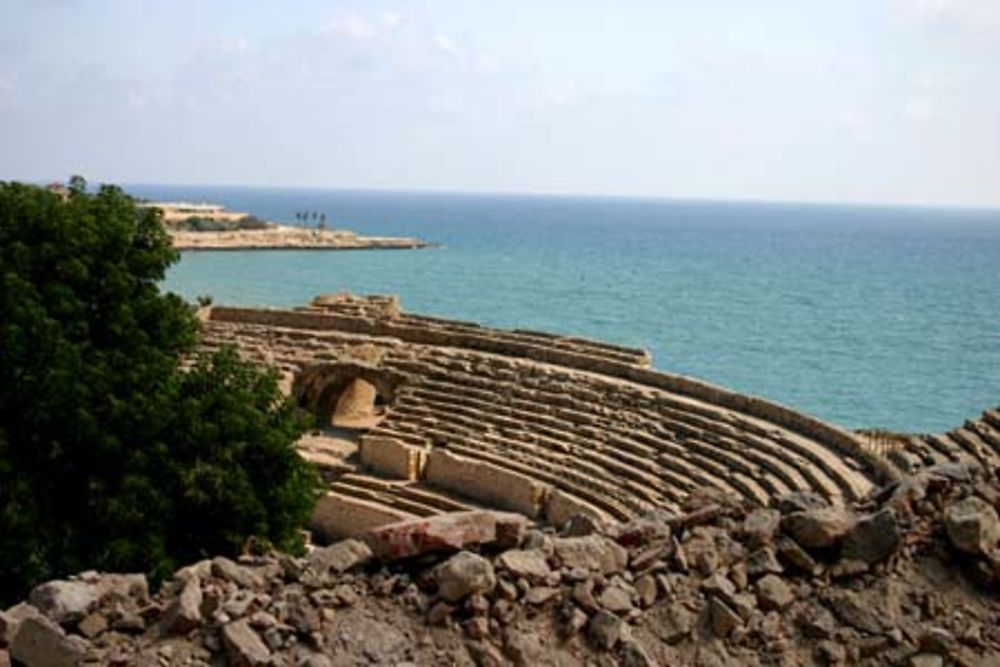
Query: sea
[[870, 317]]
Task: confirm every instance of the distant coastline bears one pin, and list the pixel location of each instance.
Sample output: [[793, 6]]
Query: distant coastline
[[278, 237]]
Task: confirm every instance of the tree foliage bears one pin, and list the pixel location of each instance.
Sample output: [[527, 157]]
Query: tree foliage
[[111, 455]]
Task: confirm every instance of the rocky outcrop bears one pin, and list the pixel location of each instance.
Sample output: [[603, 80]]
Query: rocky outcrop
[[907, 576], [285, 237]]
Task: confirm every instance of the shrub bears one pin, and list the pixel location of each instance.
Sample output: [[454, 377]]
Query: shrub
[[111, 456]]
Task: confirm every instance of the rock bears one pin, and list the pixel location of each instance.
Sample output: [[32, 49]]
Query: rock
[[818, 528], [583, 595], [39, 642], [792, 554], [849, 610], [186, 613], [440, 613], [484, 654], [773, 593], [445, 532], [463, 574], [69, 601], [539, 595], [92, 625], [760, 526], [654, 527], [801, 501], [580, 525], [647, 590], [719, 585], [763, 561], [477, 627], [605, 630], [529, 563], [676, 624], [616, 600], [244, 647], [873, 538], [701, 553], [926, 660], [236, 573], [724, 620], [817, 622], [972, 525], [634, 655], [339, 557], [524, 649], [594, 553]]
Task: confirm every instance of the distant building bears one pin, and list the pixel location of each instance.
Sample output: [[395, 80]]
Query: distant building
[[59, 189], [180, 211]]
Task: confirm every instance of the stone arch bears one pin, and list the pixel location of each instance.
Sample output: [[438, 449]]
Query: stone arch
[[355, 394]]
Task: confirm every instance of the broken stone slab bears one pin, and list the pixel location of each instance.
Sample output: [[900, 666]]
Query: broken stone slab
[[873, 538], [68, 601], [244, 647], [773, 594], [39, 642], [529, 563], [593, 553], [340, 557], [229, 570], [464, 574], [445, 532], [185, 613], [972, 525], [819, 528]]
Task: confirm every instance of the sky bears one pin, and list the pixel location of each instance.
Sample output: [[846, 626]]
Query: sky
[[889, 101]]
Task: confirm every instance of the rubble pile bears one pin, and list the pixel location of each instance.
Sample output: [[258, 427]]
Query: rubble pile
[[906, 577]]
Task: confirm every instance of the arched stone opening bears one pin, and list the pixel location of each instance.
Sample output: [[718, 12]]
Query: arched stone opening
[[347, 395]]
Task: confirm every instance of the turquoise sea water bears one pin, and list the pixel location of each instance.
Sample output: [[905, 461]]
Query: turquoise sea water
[[869, 317]]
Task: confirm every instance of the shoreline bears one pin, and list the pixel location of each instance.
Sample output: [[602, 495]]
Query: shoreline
[[285, 237]]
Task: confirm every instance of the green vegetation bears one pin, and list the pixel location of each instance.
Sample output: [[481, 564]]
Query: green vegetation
[[111, 455], [196, 224]]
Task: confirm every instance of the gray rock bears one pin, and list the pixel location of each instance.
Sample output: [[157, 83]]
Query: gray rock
[[615, 599], [69, 601], [773, 593], [647, 590], [761, 525], [244, 647], [605, 630], [463, 574], [186, 612], [524, 649], [849, 610], [634, 655], [818, 528], [763, 561], [724, 620], [236, 573], [972, 525], [873, 538], [39, 642], [339, 557], [530, 563], [594, 553]]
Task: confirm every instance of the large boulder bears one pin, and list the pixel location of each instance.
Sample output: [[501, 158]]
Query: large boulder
[[39, 642], [819, 528], [594, 553], [463, 574], [244, 647], [339, 557], [972, 525], [446, 532], [529, 563], [874, 538], [69, 601]]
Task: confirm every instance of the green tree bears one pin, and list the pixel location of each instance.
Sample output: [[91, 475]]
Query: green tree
[[111, 455]]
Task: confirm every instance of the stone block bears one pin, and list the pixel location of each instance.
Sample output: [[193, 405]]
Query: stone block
[[392, 457], [486, 482]]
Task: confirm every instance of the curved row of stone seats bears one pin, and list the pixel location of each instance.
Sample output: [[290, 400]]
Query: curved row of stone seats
[[612, 438], [976, 443]]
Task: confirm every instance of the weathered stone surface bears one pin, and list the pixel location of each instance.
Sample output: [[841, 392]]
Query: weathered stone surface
[[972, 525], [244, 647], [818, 528], [605, 630], [761, 525], [445, 532], [92, 625], [186, 612], [486, 482], [226, 569], [530, 563], [873, 538], [773, 593], [594, 553], [340, 557], [616, 600], [70, 601], [463, 574], [39, 642], [724, 620], [849, 610]]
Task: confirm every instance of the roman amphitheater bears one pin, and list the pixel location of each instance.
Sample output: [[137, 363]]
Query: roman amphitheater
[[424, 415]]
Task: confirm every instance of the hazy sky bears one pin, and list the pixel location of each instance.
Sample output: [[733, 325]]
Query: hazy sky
[[846, 100]]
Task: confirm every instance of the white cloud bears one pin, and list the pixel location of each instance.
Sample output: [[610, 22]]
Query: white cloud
[[446, 44], [976, 19], [231, 44]]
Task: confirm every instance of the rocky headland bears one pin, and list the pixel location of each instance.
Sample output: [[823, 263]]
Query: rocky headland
[[287, 237]]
